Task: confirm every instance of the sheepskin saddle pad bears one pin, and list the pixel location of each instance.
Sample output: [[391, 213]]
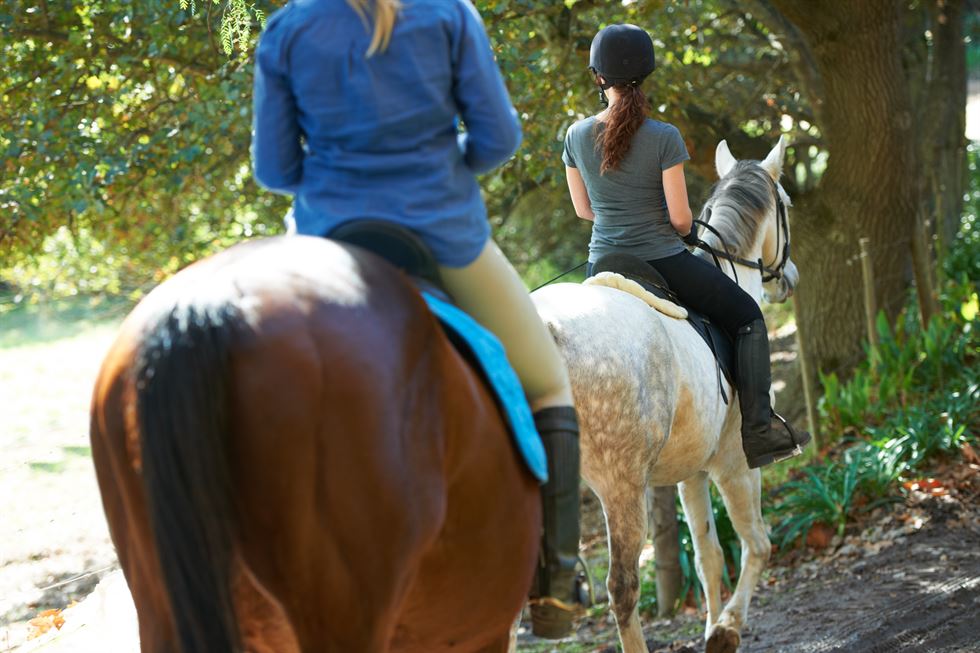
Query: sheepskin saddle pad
[[636, 277]]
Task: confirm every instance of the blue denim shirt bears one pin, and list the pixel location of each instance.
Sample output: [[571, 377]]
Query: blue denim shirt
[[351, 136]]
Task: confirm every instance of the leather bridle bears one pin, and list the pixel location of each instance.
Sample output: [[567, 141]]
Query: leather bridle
[[768, 272]]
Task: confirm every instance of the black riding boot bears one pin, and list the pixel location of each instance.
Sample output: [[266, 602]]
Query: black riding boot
[[766, 437], [555, 598]]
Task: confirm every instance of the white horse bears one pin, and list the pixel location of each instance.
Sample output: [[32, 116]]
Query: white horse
[[651, 410]]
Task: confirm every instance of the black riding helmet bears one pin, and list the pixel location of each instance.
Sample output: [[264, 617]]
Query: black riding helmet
[[622, 54]]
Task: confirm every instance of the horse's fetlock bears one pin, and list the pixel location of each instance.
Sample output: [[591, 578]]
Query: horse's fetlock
[[624, 613], [761, 548], [624, 593], [731, 620]]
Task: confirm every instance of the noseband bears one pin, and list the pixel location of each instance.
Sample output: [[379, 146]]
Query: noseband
[[768, 272]]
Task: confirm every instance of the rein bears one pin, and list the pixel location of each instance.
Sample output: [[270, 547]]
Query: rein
[[768, 272], [560, 275]]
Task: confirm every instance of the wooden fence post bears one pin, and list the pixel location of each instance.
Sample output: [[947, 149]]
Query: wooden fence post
[[808, 398], [662, 503], [928, 306], [870, 307]]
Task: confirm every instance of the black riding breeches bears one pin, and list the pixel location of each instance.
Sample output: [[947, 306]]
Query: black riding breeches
[[702, 286]]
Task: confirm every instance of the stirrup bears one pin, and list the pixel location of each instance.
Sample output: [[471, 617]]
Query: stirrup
[[552, 618], [799, 439]]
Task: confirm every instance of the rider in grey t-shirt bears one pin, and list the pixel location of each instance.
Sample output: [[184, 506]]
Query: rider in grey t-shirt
[[629, 181], [628, 202]]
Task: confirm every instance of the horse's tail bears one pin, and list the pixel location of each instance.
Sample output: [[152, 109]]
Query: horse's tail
[[182, 377]]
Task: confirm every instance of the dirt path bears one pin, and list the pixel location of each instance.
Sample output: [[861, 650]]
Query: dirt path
[[910, 582], [914, 587]]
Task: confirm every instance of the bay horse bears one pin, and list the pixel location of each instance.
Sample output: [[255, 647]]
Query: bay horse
[[292, 456], [651, 409]]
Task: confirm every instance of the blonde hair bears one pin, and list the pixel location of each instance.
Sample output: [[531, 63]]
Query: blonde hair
[[384, 13]]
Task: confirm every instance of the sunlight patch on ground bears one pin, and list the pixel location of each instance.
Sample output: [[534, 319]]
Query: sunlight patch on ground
[[53, 529]]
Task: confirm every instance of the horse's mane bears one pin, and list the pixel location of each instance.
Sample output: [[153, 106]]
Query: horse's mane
[[736, 207]]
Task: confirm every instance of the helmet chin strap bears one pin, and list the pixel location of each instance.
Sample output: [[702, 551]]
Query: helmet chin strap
[[604, 85], [602, 88]]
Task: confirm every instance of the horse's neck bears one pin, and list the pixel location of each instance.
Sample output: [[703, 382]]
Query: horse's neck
[[748, 278]]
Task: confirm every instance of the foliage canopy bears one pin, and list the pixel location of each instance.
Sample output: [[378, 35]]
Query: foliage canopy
[[126, 125]]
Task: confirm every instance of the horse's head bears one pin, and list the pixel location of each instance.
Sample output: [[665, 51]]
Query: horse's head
[[749, 225]]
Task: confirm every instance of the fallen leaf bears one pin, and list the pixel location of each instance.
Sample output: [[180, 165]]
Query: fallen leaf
[[45, 621], [926, 485], [819, 536]]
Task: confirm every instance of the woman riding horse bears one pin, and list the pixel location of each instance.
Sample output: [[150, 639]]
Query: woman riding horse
[[290, 452], [356, 130], [625, 174], [653, 404]]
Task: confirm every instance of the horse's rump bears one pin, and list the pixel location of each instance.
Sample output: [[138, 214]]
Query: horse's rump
[[349, 440], [656, 366]]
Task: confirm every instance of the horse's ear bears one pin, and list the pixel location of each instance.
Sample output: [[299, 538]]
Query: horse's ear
[[724, 161], [774, 161]]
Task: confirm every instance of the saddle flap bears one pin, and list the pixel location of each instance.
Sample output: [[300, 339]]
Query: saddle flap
[[486, 355], [396, 244]]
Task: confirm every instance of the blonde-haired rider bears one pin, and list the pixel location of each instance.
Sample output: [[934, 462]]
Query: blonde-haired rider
[[357, 109]]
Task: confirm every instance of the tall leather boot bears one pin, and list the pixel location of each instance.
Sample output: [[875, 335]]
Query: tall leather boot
[[555, 596], [766, 437]]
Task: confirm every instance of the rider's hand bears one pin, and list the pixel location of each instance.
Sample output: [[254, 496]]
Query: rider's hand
[[691, 238]]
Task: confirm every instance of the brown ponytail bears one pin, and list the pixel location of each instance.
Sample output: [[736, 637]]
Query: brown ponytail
[[624, 119]]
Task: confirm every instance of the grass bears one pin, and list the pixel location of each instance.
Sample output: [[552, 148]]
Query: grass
[[25, 322]]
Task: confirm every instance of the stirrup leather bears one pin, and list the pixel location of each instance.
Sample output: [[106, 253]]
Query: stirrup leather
[[794, 435]]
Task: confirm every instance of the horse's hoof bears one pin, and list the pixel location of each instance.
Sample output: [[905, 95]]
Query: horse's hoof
[[723, 640]]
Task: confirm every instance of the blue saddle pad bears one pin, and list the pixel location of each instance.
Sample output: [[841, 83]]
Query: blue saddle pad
[[489, 354]]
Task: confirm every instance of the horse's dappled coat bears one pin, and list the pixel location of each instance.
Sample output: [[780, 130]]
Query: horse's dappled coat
[[652, 413]]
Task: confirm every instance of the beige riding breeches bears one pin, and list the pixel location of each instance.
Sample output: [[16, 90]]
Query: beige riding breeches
[[490, 290]]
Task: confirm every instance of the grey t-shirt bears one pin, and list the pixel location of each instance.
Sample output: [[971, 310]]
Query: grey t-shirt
[[629, 203]]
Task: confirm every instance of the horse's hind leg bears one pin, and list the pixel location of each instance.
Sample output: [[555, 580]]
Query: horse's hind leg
[[708, 558], [512, 634], [742, 494], [626, 521]]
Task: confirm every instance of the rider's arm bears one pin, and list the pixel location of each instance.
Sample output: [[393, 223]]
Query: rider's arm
[[580, 196], [277, 156], [493, 132], [678, 207]]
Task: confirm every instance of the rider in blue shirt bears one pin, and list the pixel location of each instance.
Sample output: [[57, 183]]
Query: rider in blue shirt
[[354, 137], [356, 121]]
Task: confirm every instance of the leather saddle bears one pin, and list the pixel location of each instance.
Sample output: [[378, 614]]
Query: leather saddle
[[407, 252], [721, 346], [404, 249], [399, 246]]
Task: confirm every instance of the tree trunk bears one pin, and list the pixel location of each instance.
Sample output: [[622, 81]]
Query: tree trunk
[[666, 547], [943, 118], [869, 188]]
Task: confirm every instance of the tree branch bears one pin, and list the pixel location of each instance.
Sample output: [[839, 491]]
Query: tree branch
[[62, 38]]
